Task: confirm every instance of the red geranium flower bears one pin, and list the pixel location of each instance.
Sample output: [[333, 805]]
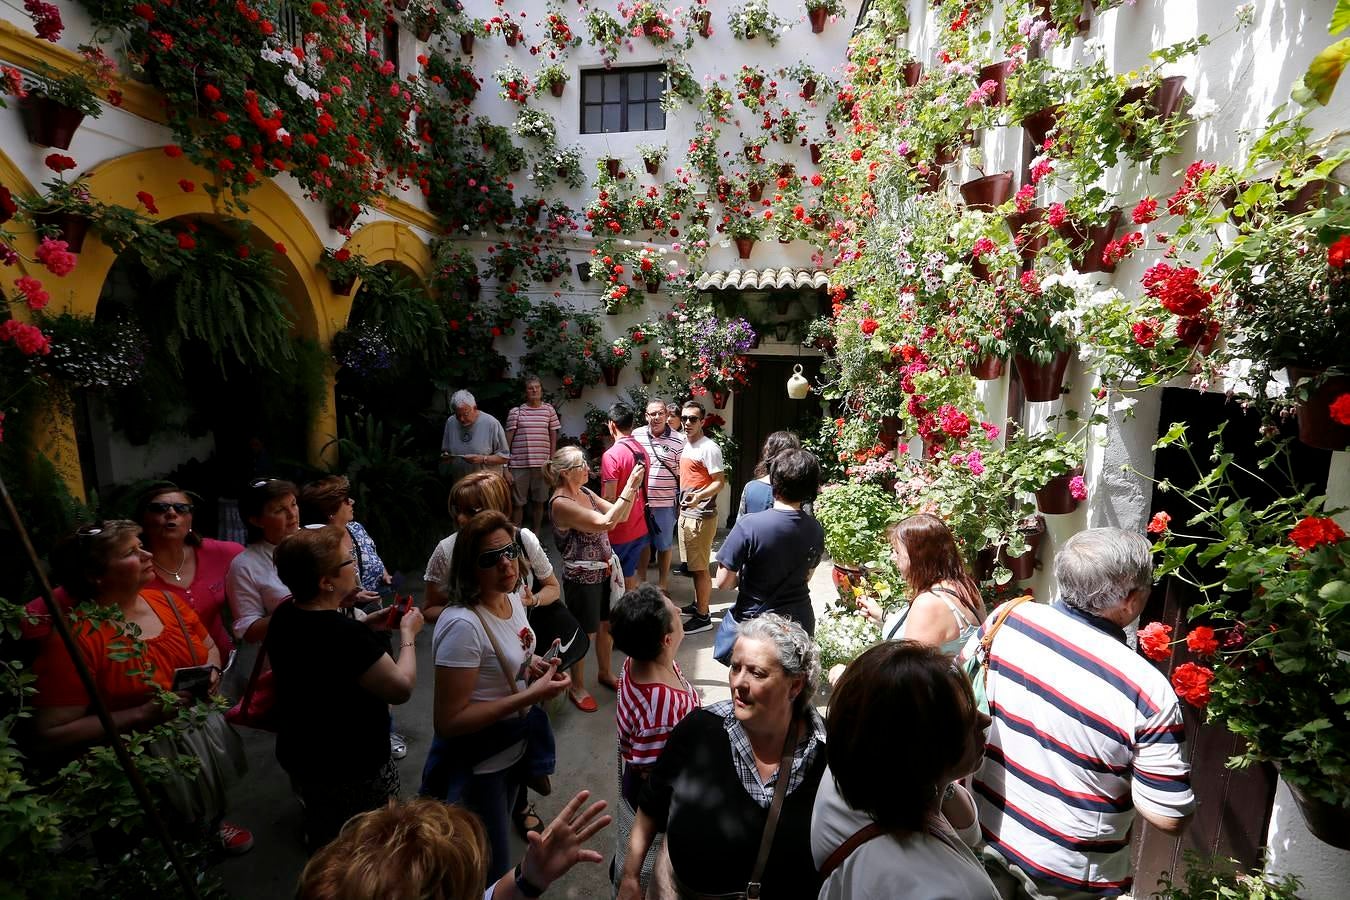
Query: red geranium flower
[[148, 201], [1339, 252], [1158, 524], [186, 241], [1192, 683], [7, 205], [868, 326], [1201, 641], [1146, 211], [186, 186], [1155, 641], [173, 151], [59, 163], [1340, 409], [1313, 531]]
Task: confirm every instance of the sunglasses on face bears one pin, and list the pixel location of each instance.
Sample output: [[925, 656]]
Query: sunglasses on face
[[159, 507], [690, 418], [490, 558]]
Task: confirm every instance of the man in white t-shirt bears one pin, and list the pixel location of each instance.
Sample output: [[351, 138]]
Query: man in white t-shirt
[[664, 446], [702, 478]]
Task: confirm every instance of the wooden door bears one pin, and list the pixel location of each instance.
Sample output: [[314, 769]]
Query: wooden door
[[764, 407]]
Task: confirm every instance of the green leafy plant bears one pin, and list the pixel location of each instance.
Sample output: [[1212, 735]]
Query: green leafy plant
[[756, 18], [1215, 878], [855, 518]]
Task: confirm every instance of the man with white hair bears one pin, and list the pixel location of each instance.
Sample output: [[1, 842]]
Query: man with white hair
[[472, 439], [1085, 731]]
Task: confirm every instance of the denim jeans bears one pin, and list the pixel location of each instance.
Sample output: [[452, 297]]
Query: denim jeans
[[490, 797]]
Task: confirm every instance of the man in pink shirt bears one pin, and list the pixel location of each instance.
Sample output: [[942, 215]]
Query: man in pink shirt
[[532, 436], [629, 539]]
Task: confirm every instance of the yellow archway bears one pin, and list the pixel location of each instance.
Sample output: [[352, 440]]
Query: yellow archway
[[386, 241]]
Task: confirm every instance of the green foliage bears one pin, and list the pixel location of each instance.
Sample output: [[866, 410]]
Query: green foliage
[[855, 518], [1215, 878]]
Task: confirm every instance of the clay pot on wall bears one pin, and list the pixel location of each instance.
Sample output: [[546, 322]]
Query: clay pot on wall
[[987, 192], [913, 72], [1028, 223], [612, 167], [808, 89], [342, 218], [1039, 124], [815, 154], [720, 398], [744, 247], [990, 368], [584, 272], [996, 72], [466, 42], [1087, 244], [756, 191], [1024, 566], [1042, 382], [1316, 428], [70, 227], [651, 165], [49, 123], [1329, 824], [704, 19], [611, 374], [1055, 499], [817, 18], [556, 88]]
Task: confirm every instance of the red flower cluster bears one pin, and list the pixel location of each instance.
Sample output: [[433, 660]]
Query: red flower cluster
[[7, 205], [1155, 641], [868, 326], [1056, 215], [1191, 683], [59, 163], [1120, 248], [953, 421], [1339, 252], [1197, 331], [1159, 523], [1201, 641], [46, 20], [28, 338], [32, 292], [1187, 193], [1178, 289], [1145, 211], [1340, 409], [1312, 531], [1146, 332], [148, 201], [56, 256]]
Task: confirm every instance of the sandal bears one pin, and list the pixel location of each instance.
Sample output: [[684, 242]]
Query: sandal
[[522, 819]]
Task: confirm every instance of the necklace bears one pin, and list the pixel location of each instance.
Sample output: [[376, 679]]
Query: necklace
[[174, 573]]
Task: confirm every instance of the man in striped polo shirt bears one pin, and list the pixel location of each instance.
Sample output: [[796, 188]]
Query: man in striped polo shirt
[[1085, 731], [664, 446], [532, 434]]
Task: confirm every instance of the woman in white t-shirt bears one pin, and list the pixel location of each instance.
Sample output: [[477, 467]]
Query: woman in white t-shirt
[[472, 494], [491, 737]]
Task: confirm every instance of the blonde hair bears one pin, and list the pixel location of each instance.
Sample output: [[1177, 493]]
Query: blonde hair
[[563, 458], [418, 849], [480, 491]]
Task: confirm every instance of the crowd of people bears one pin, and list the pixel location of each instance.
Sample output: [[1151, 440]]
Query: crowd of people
[[913, 785]]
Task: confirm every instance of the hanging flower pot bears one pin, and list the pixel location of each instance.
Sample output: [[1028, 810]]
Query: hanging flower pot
[[998, 73], [556, 88], [343, 288], [611, 374], [1164, 98], [647, 375], [512, 36], [785, 170], [1316, 427], [1329, 824], [466, 42], [700, 218], [401, 5], [612, 167], [1039, 124], [584, 272], [845, 578], [889, 435], [49, 123], [342, 218], [652, 166], [720, 396], [744, 245], [1022, 224], [704, 19], [808, 88], [653, 286], [572, 389], [932, 181], [987, 192], [990, 368], [817, 17], [424, 29], [756, 191], [913, 72], [70, 227], [1088, 246], [505, 270], [1056, 498], [1024, 566], [1042, 382], [945, 156], [815, 154]]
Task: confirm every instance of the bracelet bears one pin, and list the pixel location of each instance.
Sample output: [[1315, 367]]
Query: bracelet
[[524, 885], [407, 644], [627, 497]]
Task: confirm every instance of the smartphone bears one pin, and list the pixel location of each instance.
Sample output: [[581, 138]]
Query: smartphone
[[400, 607], [196, 680], [553, 652]]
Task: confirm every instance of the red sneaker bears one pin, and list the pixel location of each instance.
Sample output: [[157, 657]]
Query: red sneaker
[[235, 840]]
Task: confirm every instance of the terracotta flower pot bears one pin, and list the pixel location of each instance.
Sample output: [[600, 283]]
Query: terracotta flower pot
[[401, 5], [1054, 499], [647, 377], [572, 390], [817, 17], [584, 272], [756, 191], [815, 154], [512, 37], [989, 368], [343, 288], [1164, 99], [913, 72], [653, 286], [651, 165], [1024, 566], [1039, 124], [704, 19], [945, 156], [808, 89], [611, 374], [49, 123], [612, 167], [987, 192], [342, 218], [1042, 382], [1316, 428], [889, 435], [1031, 239], [930, 183], [1087, 245], [71, 227], [720, 398], [466, 42], [997, 72], [556, 88], [699, 218], [845, 577], [744, 246], [423, 31], [1329, 824]]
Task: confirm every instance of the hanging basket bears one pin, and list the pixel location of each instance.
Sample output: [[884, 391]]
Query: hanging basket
[[1055, 498], [343, 288], [996, 72], [913, 72], [815, 154], [556, 88], [990, 368], [49, 123], [720, 398], [744, 246], [1042, 382], [70, 227], [611, 374], [466, 42], [612, 167], [1039, 124], [817, 17], [1022, 222], [808, 88], [1329, 824], [987, 192], [1316, 427]]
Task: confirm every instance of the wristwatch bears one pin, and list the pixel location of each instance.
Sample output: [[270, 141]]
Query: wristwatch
[[523, 884]]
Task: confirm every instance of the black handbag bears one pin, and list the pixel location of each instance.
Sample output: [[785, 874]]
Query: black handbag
[[555, 621]]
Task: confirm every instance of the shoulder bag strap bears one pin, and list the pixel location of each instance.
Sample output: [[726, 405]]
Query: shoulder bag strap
[[496, 649], [651, 443], [181, 624], [845, 850], [987, 642], [247, 699], [901, 621], [775, 810]]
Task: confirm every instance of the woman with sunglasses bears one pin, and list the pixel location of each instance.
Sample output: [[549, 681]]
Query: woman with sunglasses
[[186, 564], [334, 680], [135, 654], [581, 526], [491, 736]]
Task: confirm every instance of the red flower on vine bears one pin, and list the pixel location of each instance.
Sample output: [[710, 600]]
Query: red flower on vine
[[1159, 523], [1191, 683], [1155, 641], [1312, 532], [1201, 641], [1340, 409]]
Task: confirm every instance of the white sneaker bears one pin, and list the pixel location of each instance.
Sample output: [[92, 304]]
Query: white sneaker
[[398, 745]]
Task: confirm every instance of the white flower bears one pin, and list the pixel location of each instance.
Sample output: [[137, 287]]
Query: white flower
[[1095, 47], [1258, 275], [1203, 109], [1246, 14]]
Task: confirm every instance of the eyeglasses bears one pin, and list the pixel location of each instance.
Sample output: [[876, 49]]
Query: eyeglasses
[[659, 414], [489, 558], [88, 531], [159, 507], [690, 418], [263, 482]]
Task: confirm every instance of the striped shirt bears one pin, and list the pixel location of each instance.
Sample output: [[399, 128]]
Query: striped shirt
[[1084, 731], [531, 427], [646, 713], [664, 452]]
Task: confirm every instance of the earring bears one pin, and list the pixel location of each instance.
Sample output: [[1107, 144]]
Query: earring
[[330, 589]]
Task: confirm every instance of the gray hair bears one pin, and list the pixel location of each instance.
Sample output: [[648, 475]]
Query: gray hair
[[651, 400], [797, 652], [531, 378], [1098, 568], [462, 397]]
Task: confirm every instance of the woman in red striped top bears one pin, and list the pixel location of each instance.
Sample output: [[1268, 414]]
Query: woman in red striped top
[[653, 697]]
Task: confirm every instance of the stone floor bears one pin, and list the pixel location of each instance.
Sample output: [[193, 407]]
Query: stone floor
[[586, 759]]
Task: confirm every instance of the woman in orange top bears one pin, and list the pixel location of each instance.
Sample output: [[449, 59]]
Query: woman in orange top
[[105, 566]]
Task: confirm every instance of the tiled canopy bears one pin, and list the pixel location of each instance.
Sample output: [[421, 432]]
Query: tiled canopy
[[770, 279]]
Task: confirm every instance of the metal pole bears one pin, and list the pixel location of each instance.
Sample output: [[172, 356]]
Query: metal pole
[[58, 616]]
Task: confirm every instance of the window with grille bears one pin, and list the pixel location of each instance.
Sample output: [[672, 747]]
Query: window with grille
[[625, 99], [288, 24]]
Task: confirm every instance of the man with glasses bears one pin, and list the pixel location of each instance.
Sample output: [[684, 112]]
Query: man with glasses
[[664, 446], [702, 478], [473, 440]]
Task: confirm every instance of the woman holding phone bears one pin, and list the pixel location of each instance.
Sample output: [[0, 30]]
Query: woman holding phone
[[334, 681]]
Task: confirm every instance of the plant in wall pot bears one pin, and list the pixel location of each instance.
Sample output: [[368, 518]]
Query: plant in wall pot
[[468, 30], [754, 19], [605, 33], [650, 20], [425, 18], [1265, 654], [855, 517], [552, 77], [1036, 89], [343, 268], [615, 358], [818, 10], [53, 105], [744, 225], [561, 341], [1050, 465], [65, 209], [1041, 331], [652, 156]]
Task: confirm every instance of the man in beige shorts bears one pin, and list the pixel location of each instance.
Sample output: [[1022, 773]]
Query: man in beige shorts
[[702, 478]]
